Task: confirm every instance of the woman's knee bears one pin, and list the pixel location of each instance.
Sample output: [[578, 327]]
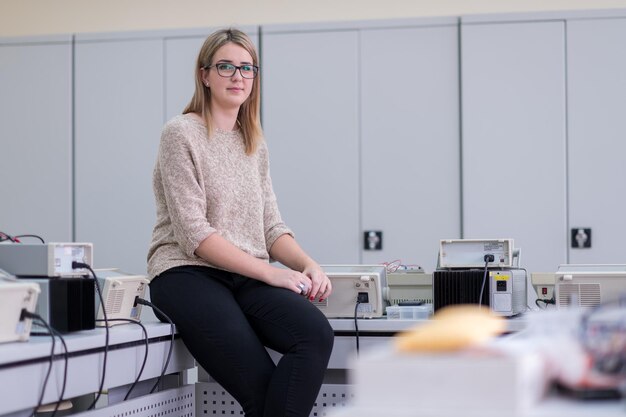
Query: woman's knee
[[327, 337], [322, 334]]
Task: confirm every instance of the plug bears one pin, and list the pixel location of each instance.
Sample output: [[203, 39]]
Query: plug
[[78, 265], [362, 298], [143, 302], [25, 314], [489, 258]]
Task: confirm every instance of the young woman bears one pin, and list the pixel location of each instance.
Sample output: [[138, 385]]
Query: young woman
[[218, 225]]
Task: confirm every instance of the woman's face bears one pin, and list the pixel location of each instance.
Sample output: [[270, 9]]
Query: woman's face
[[228, 92]]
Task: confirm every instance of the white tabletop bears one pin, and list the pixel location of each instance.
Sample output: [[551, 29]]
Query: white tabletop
[[24, 364], [550, 407], [383, 325], [39, 346]]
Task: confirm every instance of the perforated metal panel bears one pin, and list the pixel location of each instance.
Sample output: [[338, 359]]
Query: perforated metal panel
[[177, 402], [584, 295], [114, 303], [213, 400]]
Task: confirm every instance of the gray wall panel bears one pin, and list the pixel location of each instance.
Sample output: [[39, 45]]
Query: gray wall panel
[[36, 139], [597, 150], [410, 141], [310, 104], [513, 106], [119, 116], [180, 61]]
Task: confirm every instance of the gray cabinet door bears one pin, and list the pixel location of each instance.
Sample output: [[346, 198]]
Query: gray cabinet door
[[36, 138], [310, 104], [180, 62], [514, 137], [118, 119], [596, 68], [410, 169]]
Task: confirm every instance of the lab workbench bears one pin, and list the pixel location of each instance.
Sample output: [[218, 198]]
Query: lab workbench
[[23, 366], [336, 390]]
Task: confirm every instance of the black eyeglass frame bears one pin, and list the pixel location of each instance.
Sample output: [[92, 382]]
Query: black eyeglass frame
[[255, 70]]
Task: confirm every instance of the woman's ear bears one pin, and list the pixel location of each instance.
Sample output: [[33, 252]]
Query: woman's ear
[[204, 74]]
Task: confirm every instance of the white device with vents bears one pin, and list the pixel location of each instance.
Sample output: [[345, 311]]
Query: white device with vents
[[350, 281], [119, 292], [470, 253], [581, 285], [410, 285], [14, 297]]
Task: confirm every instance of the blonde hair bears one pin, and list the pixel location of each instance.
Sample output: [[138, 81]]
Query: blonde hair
[[248, 117]]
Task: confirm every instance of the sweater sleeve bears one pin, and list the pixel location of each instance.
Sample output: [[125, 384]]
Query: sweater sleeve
[[273, 225], [182, 189]]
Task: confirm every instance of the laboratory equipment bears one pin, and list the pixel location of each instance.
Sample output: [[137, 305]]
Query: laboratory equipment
[[45, 259], [16, 296], [351, 283], [119, 293], [584, 285]]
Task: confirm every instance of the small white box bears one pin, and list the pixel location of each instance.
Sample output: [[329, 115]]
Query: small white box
[[498, 383], [422, 312]]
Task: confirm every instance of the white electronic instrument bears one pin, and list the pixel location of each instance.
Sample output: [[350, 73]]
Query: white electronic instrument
[[410, 285], [351, 283], [473, 268], [581, 285], [45, 259], [470, 253], [16, 296], [119, 292]]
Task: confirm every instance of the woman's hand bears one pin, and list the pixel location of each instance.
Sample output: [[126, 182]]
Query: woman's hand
[[290, 279], [320, 283], [287, 251]]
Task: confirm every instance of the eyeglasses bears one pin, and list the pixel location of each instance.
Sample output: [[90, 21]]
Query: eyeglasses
[[228, 70]]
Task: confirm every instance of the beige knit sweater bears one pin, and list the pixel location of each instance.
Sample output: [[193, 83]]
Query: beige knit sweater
[[208, 185]]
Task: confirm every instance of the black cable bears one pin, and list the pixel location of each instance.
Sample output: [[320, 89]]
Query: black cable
[[356, 326], [34, 316], [66, 358], [545, 302], [488, 258], [145, 356], [169, 354], [35, 236], [76, 265]]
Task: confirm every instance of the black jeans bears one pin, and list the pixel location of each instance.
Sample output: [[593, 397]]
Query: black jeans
[[226, 320]]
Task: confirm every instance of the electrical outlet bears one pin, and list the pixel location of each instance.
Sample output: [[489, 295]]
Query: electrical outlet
[[581, 237], [373, 240]]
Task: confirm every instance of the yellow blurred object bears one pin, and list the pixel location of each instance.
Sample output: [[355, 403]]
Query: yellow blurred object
[[452, 328]]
